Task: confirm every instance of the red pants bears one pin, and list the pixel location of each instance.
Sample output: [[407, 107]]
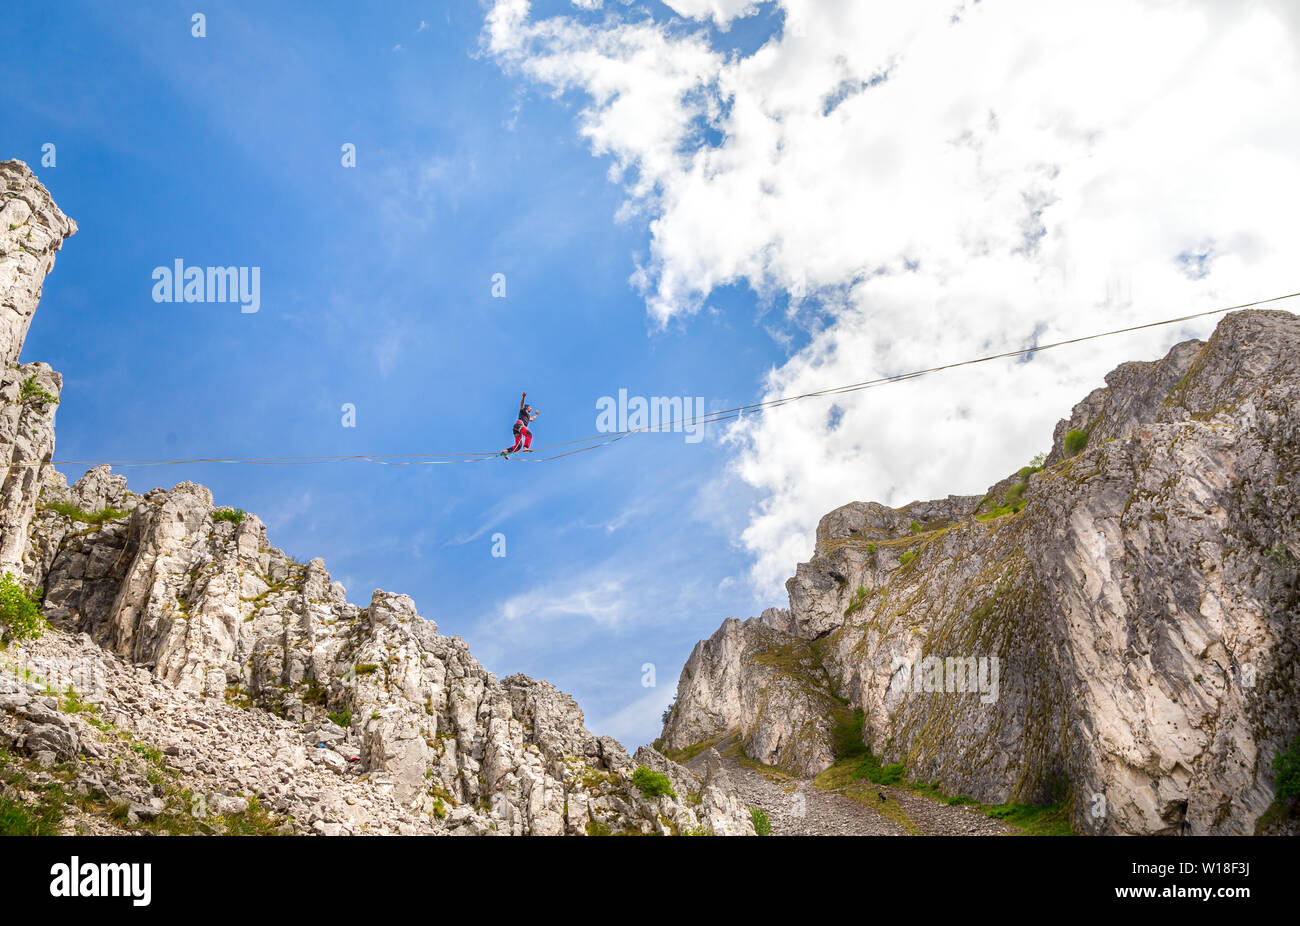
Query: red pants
[[523, 437]]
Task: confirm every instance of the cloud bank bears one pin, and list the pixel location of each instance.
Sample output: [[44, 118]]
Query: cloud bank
[[926, 182]]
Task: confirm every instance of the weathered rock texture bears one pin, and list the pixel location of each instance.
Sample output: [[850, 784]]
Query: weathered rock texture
[[32, 229], [1140, 598], [197, 598]]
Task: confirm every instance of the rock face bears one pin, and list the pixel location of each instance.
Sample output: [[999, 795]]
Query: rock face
[[1117, 630], [32, 229], [760, 678], [29, 395], [190, 612]]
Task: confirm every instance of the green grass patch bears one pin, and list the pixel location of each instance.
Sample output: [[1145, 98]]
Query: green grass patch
[[233, 515], [68, 510], [1032, 820], [687, 753], [870, 768], [762, 823], [255, 821], [846, 734], [652, 784], [42, 819], [70, 702], [859, 599]]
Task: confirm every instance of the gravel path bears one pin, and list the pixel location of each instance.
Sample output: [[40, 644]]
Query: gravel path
[[797, 807]]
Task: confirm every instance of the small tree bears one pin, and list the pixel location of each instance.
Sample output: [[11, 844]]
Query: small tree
[[20, 617], [668, 712], [1075, 440]]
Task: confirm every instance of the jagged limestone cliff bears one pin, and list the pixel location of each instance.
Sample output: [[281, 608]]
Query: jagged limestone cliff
[[32, 230], [207, 646], [1117, 630]]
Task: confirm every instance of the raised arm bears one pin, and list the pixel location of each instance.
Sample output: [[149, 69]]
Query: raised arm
[[522, 402]]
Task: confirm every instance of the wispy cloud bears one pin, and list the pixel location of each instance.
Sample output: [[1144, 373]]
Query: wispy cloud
[[503, 510], [601, 601], [629, 724]]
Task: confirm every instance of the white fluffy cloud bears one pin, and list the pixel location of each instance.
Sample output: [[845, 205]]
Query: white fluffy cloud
[[721, 12], [932, 181]]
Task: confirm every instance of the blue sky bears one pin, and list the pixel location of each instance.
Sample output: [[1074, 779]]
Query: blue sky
[[376, 290], [729, 199]]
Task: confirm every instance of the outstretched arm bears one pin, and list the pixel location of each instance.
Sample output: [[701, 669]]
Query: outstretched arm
[[522, 402]]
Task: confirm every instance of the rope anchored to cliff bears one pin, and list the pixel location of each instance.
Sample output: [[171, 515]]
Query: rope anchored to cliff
[[587, 444]]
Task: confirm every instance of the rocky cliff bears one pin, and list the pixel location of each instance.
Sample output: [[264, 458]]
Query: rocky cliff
[[1116, 629], [206, 669]]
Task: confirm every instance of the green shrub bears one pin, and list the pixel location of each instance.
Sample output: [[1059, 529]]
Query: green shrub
[[233, 515], [762, 825], [907, 557], [20, 616], [342, 719], [30, 393], [652, 783], [1013, 499], [916, 527], [365, 668], [1286, 768], [1075, 440], [871, 548]]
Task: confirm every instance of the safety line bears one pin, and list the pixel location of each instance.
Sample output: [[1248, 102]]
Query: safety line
[[605, 439]]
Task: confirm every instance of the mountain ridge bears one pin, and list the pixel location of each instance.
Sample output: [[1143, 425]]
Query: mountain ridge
[[1138, 593], [165, 609]]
